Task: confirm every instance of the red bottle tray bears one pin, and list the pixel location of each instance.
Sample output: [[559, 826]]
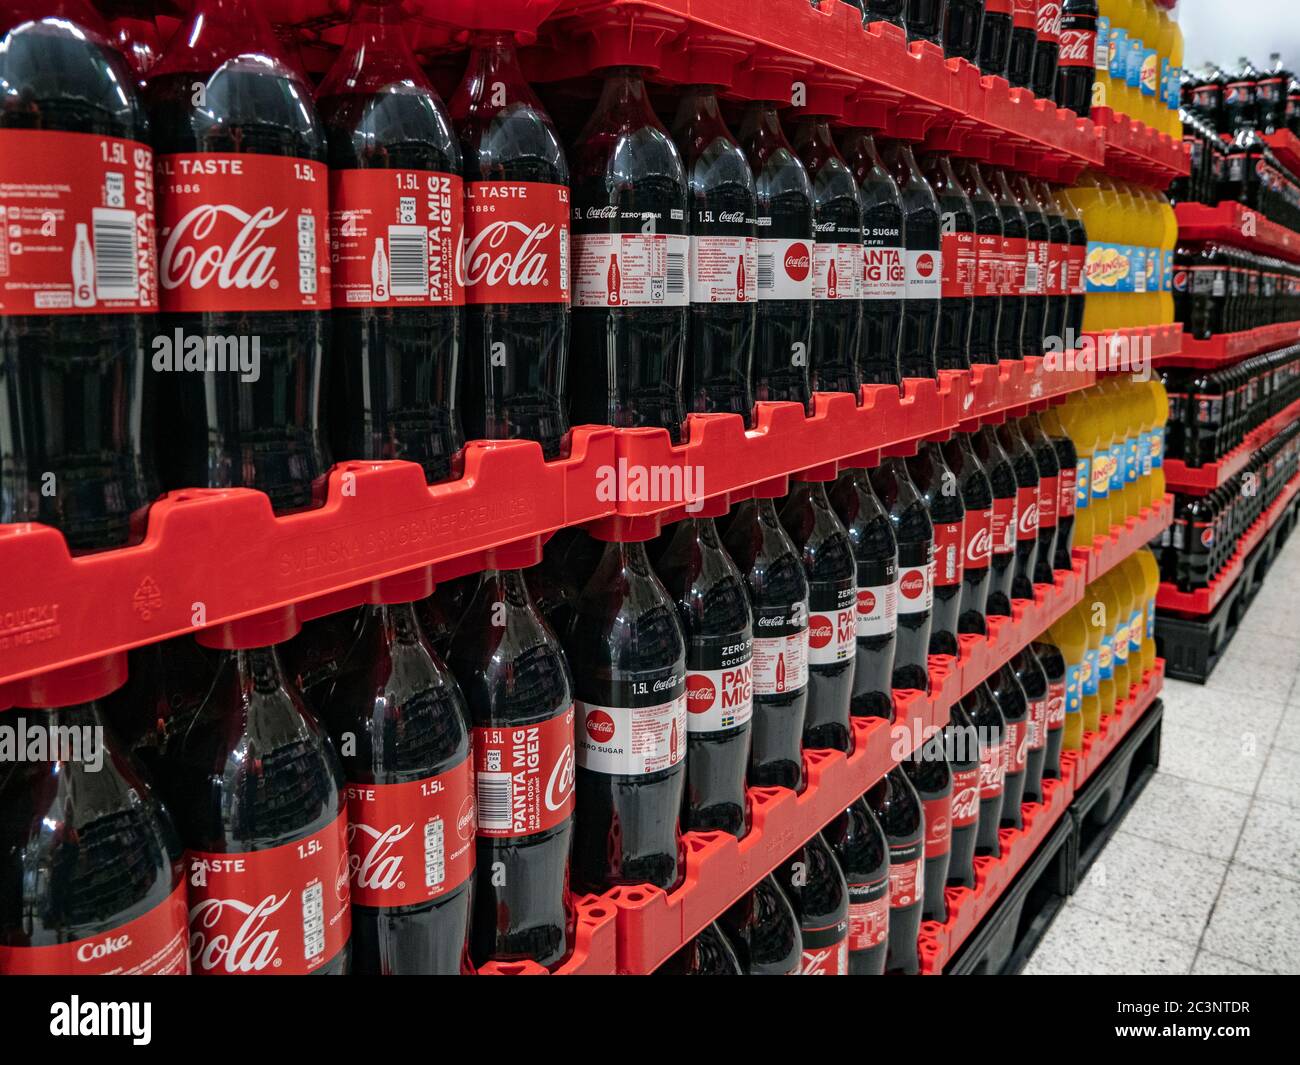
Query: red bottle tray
[[1237, 225], [1227, 348], [595, 946], [1203, 600], [1138, 530], [995, 392], [1286, 146], [1201, 480], [1097, 746], [1116, 349], [1137, 152]]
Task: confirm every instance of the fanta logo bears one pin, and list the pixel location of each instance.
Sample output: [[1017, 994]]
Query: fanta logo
[[912, 584], [820, 630], [700, 693], [600, 726], [797, 262]]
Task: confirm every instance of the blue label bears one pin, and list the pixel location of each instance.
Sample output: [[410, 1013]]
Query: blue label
[[1102, 53], [1175, 87], [1073, 689], [1082, 483], [1151, 619], [1106, 657], [1118, 53], [1150, 72], [1144, 451], [1109, 268], [1167, 272], [1091, 671], [1117, 472], [1164, 81], [1133, 67], [1132, 459], [1158, 448], [1135, 631]]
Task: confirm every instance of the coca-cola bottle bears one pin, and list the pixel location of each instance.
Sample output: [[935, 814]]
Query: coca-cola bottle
[[875, 551], [134, 32], [957, 227], [722, 216], [1033, 679], [924, 20], [986, 305], [995, 37], [898, 809], [942, 495], [837, 260], [1037, 253], [708, 954], [1058, 264], [628, 656], [977, 531], [831, 568], [515, 255], [924, 260], [982, 710], [931, 776], [884, 265], [1078, 56], [1067, 459], [1015, 265], [764, 931], [713, 608], [961, 745], [778, 594], [395, 224], [89, 861], [1014, 704], [862, 850], [520, 696], [883, 11], [814, 882], [243, 260], [961, 29], [73, 401], [783, 331], [630, 252], [1002, 478], [261, 802], [1058, 682], [1049, 496], [1026, 469], [1075, 286], [915, 535], [1047, 46], [1024, 39]]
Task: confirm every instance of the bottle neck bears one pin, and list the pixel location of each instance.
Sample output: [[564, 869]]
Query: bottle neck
[[493, 77], [624, 93], [400, 623], [376, 52], [506, 586], [259, 669]]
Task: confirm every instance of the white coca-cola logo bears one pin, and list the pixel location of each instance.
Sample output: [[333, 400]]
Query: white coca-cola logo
[[602, 212], [560, 784], [980, 546], [1049, 20], [1029, 519], [379, 869], [103, 948], [1077, 47], [731, 216], [816, 962], [252, 948], [965, 803], [506, 252], [242, 262]]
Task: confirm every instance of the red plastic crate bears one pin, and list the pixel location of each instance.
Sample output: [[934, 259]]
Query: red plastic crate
[[1137, 152], [594, 952], [1201, 480], [1227, 348], [1109, 551], [1237, 225], [1116, 349], [1097, 746], [1286, 146]]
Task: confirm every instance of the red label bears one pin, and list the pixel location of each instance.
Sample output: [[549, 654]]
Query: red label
[[1026, 513], [1078, 45], [938, 826], [905, 884], [281, 911], [949, 549], [978, 528], [1015, 258], [868, 922], [1049, 491], [1074, 279], [1048, 26], [1067, 483], [154, 944], [1037, 254], [1004, 525], [79, 224], [409, 843], [1055, 705], [523, 776], [1037, 735], [242, 232], [394, 238], [993, 770], [1015, 746], [965, 797], [516, 247], [825, 951], [1058, 256], [997, 7], [988, 264], [959, 265], [1024, 13]]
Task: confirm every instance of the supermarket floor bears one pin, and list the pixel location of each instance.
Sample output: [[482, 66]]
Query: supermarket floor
[[1203, 875]]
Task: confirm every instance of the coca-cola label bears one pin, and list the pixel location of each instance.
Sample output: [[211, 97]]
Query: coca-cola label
[[993, 769], [924, 273], [516, 247], [1037, 723], [1015, 746], [780, 649], [959, 265], [831, 621], [868, 915], [1004, 525], [1024, 13], [1057, 269], [949, 552], [884, 272], [906, 884], [724, 268], [523, 776], [877, 599], [825, 950], [1027, 513], [1015, 265], [79, 224], [785, 269], [242, 233], [1076, 260], [1056, 700], [630, 269], [640, 730], [965, 796], [394, 238], [938, 825], [988, 265], [1037, 253], [977, 527], [915, 589], [281, 911], [1079, 41], [1067, 487], [1049, 495], [835, 271], [1048, 26], [154, 944], [719, 682]]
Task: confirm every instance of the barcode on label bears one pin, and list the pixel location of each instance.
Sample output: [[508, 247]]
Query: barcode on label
[[313, 920], [307, 254], [115, 265], [494, 800], [435, 865], [766, 271], [676, 272], [1031, 277], [408, 260]]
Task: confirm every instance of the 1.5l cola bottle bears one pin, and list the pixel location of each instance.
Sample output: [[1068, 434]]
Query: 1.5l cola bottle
[[1002, 478], [713, 607], [1049, 496], [1026, 534], [1014, 705], [1033, 679], [243, 258], [991, 730], [961, 745], [863, 853], [1038, 237], [630, 252], [628, 656], [931, 775], [133, 31], [1058, 681], [261, 802], [915, 535], [74, 296], [898, 808], [924, 260], [396, 219], [977, 531], [723, 270], [986, 306], [1047, 48], [89, 860], [399, 719], [520, 695], [778, 596], [708, 954], [957, 231], [995, 37], [1024, 40], [763, 929], [941, 493], [1015, 265], [814, 882], [1080, 45], [831, 569], [515, 255]]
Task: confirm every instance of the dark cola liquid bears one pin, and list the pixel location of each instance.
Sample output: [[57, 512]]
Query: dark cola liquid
[[1033, 680], [630, 301], [977, 531], [875, 552], [1075, 295], [778, 596], [1002, 477], [957, 228], [399, 718], [1054, 320], [1038, 237], [1047, 50], [837, 260], [986, 306], [1026, 470], [1067, 460], [884, 267], [783, 333], [925, 20], [1014, 705], [884, 11], [520, 695], [961, 745], [941, 493], [961, 29], [924, 262], [995, 38], [982, 710], [628, 656], [1024, 40], [931, 776], [708, 954], [814, 882], [862, 850], [1049, 497], [1054, 668], [73, 396], [898, 809], [713, 608], [1015, 236], [723, 272], [915, 535], [763, 929]]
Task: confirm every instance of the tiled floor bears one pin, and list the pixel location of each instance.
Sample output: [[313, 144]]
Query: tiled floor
[[1203, 875]]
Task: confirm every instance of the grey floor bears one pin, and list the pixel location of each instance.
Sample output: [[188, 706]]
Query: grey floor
[[1203, 875]]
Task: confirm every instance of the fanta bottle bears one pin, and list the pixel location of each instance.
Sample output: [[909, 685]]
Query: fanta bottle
[[1110, 86], [1070, 634], [1102, 607], [1150, 570]]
